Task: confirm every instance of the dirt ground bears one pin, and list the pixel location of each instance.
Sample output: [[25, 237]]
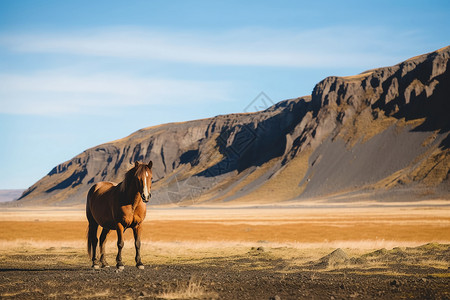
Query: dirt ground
[[239, 272], [346, 253]]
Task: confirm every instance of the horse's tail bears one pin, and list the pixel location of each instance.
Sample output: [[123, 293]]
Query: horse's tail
[[92, 227], [92, 237]]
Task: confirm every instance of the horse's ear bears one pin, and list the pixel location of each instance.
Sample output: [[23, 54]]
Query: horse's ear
[[150, 164], [136, 164]]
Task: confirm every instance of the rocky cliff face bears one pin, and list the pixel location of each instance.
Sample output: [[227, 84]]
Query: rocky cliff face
[[382, 133]]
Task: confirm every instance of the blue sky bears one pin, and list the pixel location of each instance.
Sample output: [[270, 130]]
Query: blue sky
[[75, 74]]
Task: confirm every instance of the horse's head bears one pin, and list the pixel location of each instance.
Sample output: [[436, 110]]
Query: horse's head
[[143, 175]]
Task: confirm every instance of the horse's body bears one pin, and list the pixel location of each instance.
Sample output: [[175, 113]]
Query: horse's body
[[118, 207]]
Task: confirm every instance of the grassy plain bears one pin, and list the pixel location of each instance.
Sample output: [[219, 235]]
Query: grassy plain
[[360, 226], [228, 252]]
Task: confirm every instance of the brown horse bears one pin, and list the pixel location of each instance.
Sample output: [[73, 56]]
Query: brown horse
[[118, 207]]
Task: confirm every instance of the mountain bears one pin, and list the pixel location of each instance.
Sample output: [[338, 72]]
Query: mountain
[[380, 135]]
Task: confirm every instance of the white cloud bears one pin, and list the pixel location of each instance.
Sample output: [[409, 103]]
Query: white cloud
[[326, 47], [50, 93], [90, 88]]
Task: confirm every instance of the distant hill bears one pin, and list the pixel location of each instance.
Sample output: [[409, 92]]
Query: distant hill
[[10, 195], [382, 134]]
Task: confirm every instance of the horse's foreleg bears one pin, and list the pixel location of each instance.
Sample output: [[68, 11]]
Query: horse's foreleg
[[137, 244], [103, 236], [120, 244]]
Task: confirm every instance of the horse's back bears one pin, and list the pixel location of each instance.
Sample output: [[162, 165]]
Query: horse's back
[[100, 200], [100, 188]]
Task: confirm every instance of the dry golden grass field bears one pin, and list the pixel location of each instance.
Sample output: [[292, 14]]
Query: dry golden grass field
[[236, 252], [343, 225]]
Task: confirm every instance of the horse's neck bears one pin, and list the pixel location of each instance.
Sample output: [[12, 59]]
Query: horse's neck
[[129, 194]]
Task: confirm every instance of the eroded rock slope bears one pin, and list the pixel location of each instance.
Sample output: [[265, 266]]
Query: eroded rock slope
[[381, 134]]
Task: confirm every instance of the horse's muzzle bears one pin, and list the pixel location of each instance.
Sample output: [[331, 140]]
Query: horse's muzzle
[[146, 199]]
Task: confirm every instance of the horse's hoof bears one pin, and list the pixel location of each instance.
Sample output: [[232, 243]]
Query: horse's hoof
[[120, 267], [95, 267], [140, 267], [105, 266]]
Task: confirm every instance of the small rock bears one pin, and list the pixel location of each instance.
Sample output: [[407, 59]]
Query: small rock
[[276, 297], [394, 283], [261, 249], [142, 294]]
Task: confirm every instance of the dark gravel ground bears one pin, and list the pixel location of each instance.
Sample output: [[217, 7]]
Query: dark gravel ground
[[218, 282], [255, 276]]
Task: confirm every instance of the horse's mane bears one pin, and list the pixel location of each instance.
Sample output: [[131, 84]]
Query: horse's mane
[[130, 176]]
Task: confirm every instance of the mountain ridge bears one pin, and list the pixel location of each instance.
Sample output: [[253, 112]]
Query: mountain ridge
[[326, 145]]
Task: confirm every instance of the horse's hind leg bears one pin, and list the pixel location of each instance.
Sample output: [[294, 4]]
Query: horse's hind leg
[[103, 236], [92, 242], [137, 244]]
